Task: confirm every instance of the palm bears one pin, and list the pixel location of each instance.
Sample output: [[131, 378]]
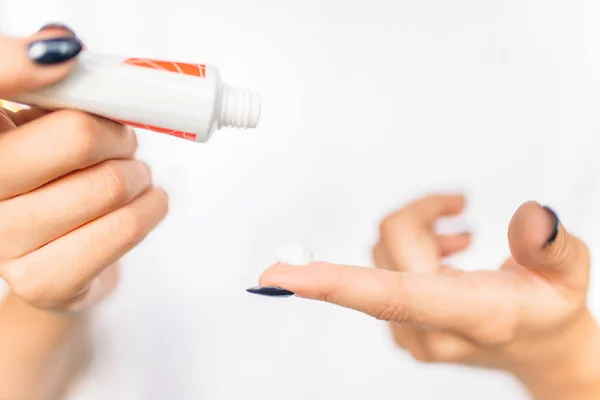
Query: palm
[[518, 297]]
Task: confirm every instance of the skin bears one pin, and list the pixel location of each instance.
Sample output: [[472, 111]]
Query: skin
[[73, 201], [528, 318]]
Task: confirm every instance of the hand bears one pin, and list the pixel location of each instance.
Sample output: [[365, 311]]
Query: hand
[[529, 317], [73, 199]]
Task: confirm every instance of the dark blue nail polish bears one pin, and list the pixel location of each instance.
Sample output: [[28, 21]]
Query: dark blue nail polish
[[556, 221], [54, 51], [58, 25], [270, 291]]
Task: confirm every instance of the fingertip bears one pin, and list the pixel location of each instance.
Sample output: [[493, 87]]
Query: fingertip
[[35, 62], [450, 244], [130, 137], [537, 239], [531, 227], [452, 203], [308, 281], [272, 275], [57, 27]]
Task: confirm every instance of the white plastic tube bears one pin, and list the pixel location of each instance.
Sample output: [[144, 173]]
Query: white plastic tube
[[186, 100]]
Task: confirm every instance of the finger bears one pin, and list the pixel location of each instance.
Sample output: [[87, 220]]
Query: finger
[[425, 211], [449, 303], [38, 217], [408, 233], [101, 287], [539, 241], [11, 119], [451, 244], [432, 346], [28, 114], [65, 267], [381, 258], [57, 144], [22, 114], [447, 245], [37, 61]]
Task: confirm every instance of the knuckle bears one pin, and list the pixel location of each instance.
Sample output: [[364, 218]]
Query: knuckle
[[396, 226], [78, 121], [128, 227], [421, 353], [388, 311], [442, 350], [389, 225], [494, 334], [494, 338], [117, 185], [33, 291], [398, 336], [435, 352], [81, 129]]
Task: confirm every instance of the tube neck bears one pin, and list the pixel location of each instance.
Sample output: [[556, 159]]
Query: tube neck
[[240, 108]]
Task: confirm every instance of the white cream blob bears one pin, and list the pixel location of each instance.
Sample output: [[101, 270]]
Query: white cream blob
[[294, 254]]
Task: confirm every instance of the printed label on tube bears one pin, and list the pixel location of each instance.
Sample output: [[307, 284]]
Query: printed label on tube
[[197, 70]]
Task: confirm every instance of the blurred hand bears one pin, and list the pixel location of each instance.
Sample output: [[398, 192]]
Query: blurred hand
[[73, 199], [529, 317]]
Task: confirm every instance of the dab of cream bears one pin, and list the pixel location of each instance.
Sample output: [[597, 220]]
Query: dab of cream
[[294, 254]]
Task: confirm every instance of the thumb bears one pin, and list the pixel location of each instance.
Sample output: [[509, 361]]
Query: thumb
[[539, 241], [27, 64]]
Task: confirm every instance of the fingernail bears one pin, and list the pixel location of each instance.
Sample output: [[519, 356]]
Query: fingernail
[[556, 221], [270, 291], [54, 51], [58, 25]]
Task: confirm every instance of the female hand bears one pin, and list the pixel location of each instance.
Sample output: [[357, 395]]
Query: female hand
[[73, 198], [529, 317]]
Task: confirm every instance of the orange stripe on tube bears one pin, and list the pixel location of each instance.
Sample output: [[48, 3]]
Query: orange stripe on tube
[[197, 70]]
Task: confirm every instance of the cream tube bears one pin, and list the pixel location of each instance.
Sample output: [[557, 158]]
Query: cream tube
[[186, 100]]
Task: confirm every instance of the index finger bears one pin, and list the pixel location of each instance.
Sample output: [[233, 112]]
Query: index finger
[[408, 235], [461, 304]]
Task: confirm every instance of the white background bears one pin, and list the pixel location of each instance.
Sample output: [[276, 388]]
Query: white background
[[366, 105]]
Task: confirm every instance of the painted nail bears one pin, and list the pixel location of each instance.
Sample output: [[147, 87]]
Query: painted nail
[[58, 25], [270, 291], [554, 234], [54, 51]]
